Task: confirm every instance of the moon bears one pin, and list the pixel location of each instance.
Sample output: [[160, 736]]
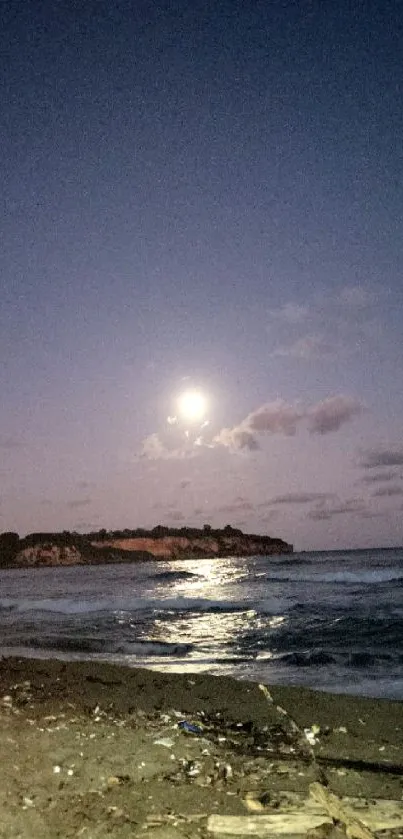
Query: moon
[[192, 406]]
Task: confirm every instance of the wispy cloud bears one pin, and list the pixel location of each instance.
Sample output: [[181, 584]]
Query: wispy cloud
[[300, 498], [176, 515], [380, 478], [306, 348], [333, 412], [291, 313], [239, 505], [356, 297], [79, 502], [388, 492], [339, 324], [325, 512], [10, 443], [153, 448], [377, 457]]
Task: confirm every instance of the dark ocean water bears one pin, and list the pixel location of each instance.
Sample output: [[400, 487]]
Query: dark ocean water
[[332, 621]]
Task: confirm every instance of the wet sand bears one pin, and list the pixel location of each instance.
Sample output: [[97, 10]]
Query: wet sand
[[93, 750]]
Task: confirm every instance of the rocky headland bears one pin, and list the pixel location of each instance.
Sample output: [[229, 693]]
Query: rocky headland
[[60, 549]]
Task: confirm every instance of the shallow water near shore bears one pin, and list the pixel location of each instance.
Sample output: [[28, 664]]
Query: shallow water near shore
[[331, 621]]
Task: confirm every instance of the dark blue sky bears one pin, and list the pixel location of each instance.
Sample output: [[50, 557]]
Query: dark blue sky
[[210, 195]]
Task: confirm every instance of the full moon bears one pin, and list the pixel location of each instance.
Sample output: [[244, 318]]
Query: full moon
[[192, 406]]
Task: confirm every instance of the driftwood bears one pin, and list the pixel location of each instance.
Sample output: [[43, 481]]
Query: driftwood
[[335, 807], [275, 824], [359, 818]]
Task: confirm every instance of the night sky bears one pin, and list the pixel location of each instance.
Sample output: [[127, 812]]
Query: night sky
[[203, 196]]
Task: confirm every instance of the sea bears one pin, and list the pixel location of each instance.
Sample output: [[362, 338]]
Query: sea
[[332, 621]]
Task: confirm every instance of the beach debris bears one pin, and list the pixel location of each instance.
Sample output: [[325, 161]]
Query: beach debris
[[117, 780], [354, 827], [359, 818], [190, 727], [311, 734], [167, 742], [279, 824], [291, 728], [227, 772], [253, 803], [27, 802]]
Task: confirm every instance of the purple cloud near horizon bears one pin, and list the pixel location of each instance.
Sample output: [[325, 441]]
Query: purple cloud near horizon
[[375, 458], [330, 414]]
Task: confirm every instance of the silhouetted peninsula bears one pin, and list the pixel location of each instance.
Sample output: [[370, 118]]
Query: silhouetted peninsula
[[104, 546]]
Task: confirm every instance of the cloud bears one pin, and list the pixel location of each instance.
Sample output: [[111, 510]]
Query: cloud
[[356, 297], [79, 502], [10, 443], [387, 492], [306, 348], [239, 505], [176, 515], [333, 412], [381, 477], [277, 417], [153, 448], [374, 458], [88, 526], [326, 512], [291, 312], [236, 439], [300, 498]]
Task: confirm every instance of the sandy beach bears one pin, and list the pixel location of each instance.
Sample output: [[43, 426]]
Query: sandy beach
[[93, 750]]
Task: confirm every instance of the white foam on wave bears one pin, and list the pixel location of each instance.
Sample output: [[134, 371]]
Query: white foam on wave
[[75, 606], [375, 575]]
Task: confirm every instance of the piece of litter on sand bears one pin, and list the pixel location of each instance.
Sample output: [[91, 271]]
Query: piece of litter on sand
[[189, 727], [311, 734], [167, 742]]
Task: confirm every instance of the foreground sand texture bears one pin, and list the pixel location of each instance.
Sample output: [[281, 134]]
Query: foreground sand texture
[[92, 750]]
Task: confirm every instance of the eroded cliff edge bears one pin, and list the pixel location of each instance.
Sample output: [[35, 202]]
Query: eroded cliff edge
[[59, 549]]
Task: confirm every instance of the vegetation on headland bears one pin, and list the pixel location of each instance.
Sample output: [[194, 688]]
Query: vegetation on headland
[[104, 546]]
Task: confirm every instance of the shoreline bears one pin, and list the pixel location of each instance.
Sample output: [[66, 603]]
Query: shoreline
[[99, 746]]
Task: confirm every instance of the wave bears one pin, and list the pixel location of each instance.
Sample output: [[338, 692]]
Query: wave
[[141, 648], [72, 606], [322, 658], [316, 658], [173, 576], [368, 576]]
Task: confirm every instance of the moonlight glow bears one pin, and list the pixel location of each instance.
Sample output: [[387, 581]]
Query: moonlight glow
[[192, 406]]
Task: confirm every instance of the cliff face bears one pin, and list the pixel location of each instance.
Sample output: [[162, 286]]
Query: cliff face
[[45, 555], [74, 549], [177, 547]]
